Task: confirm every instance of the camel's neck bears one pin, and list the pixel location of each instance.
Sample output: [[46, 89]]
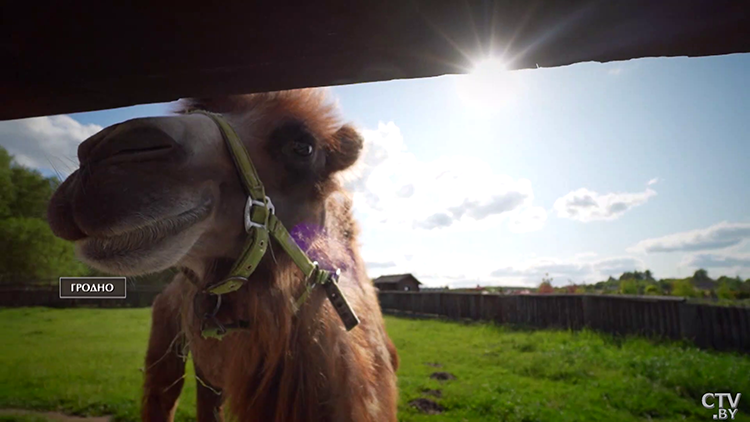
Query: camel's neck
[[288, 359], [286, 366]]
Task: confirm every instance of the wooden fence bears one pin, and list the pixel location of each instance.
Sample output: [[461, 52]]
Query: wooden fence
[[20, 296], [708, 326]]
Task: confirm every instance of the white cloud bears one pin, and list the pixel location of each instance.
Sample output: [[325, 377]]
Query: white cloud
[[455, 268], [653, 181], [391, 186], [718, 260], [435, 221], [617, 265], [46, 142], [461, 268], [615, 71], [528, 220], [380, 265], [578, 270], [586, 205], [718, 236]]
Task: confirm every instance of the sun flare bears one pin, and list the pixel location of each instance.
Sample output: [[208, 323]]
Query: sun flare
[[488, 87], [489, 68]]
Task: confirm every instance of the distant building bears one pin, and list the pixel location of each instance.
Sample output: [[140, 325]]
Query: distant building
[[516, 291], [400, 282], [434, 289], [478, 289], [705, 284], [520, 292]]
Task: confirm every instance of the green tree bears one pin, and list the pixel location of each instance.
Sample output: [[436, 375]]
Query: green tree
[[733, 283], [629, 286], [744, 292], [701, 275], [7, 192], [32, 193], [724, 291], [652, 290], [627, 276], [545, 287], [29, 251], [665, 286], [684, 288]]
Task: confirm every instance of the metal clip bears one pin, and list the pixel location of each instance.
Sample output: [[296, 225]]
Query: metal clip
[[249, 208], [339, 302], [218, 331], [310, 285]]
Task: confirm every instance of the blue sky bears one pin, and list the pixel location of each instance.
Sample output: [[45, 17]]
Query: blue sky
[[499, 177]]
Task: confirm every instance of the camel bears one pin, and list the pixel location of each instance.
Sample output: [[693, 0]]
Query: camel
[[163, 192]]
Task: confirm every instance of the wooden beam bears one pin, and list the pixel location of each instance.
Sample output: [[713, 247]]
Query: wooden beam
[[91, 55]]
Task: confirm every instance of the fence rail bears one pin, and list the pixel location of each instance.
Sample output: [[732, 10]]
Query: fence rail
[[49, 296], [708, 326]]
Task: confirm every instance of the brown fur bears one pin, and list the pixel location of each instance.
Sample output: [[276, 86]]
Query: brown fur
[[306, 368], [285, 367]]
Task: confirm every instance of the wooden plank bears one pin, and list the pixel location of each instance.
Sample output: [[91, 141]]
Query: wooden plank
[[708, 326]]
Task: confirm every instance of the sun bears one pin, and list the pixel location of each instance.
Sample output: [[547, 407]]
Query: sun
[[489, 68], [490, 85]]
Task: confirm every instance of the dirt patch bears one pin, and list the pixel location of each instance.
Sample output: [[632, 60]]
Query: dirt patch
[[434, 364], [426, 406], [433, 393], [54, 416], [442, 376]]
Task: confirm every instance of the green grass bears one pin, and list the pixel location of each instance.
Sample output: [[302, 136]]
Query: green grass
[[21, 418], [558, 375], [86, 362], [78, 361]]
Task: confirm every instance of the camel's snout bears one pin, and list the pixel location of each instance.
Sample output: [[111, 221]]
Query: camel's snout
[[136, 174], [60, 212], [132, 141]]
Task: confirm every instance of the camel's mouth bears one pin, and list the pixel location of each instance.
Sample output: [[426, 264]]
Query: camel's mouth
[[148, 244]]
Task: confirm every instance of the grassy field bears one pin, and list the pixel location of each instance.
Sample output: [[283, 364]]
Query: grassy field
[[87, 361]]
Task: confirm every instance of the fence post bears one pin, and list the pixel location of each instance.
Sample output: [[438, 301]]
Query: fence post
[[687, 320], [587, 317]]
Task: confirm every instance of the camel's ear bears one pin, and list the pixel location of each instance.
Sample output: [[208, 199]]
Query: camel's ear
[[347, 146]]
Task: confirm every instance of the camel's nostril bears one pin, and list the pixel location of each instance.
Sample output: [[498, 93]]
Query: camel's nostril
[[132, 151], [131, 141]]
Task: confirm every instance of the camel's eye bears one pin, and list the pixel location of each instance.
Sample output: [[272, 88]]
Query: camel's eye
[[293, 144], [301, 148]]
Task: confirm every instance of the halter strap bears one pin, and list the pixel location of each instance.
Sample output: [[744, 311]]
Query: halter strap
[[261, 223]]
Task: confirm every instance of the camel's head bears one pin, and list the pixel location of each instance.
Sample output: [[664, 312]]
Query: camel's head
[[153, 193]]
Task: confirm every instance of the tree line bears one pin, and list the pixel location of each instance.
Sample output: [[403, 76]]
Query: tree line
[[699, 285], [29, 251]]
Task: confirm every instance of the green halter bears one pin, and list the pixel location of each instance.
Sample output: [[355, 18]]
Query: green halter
[[261, 223]]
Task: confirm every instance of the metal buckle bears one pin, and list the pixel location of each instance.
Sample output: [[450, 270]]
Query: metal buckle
[[311, 284], [333, 276], [339, 302], [249, 208], [220, 330], [336, 275]]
